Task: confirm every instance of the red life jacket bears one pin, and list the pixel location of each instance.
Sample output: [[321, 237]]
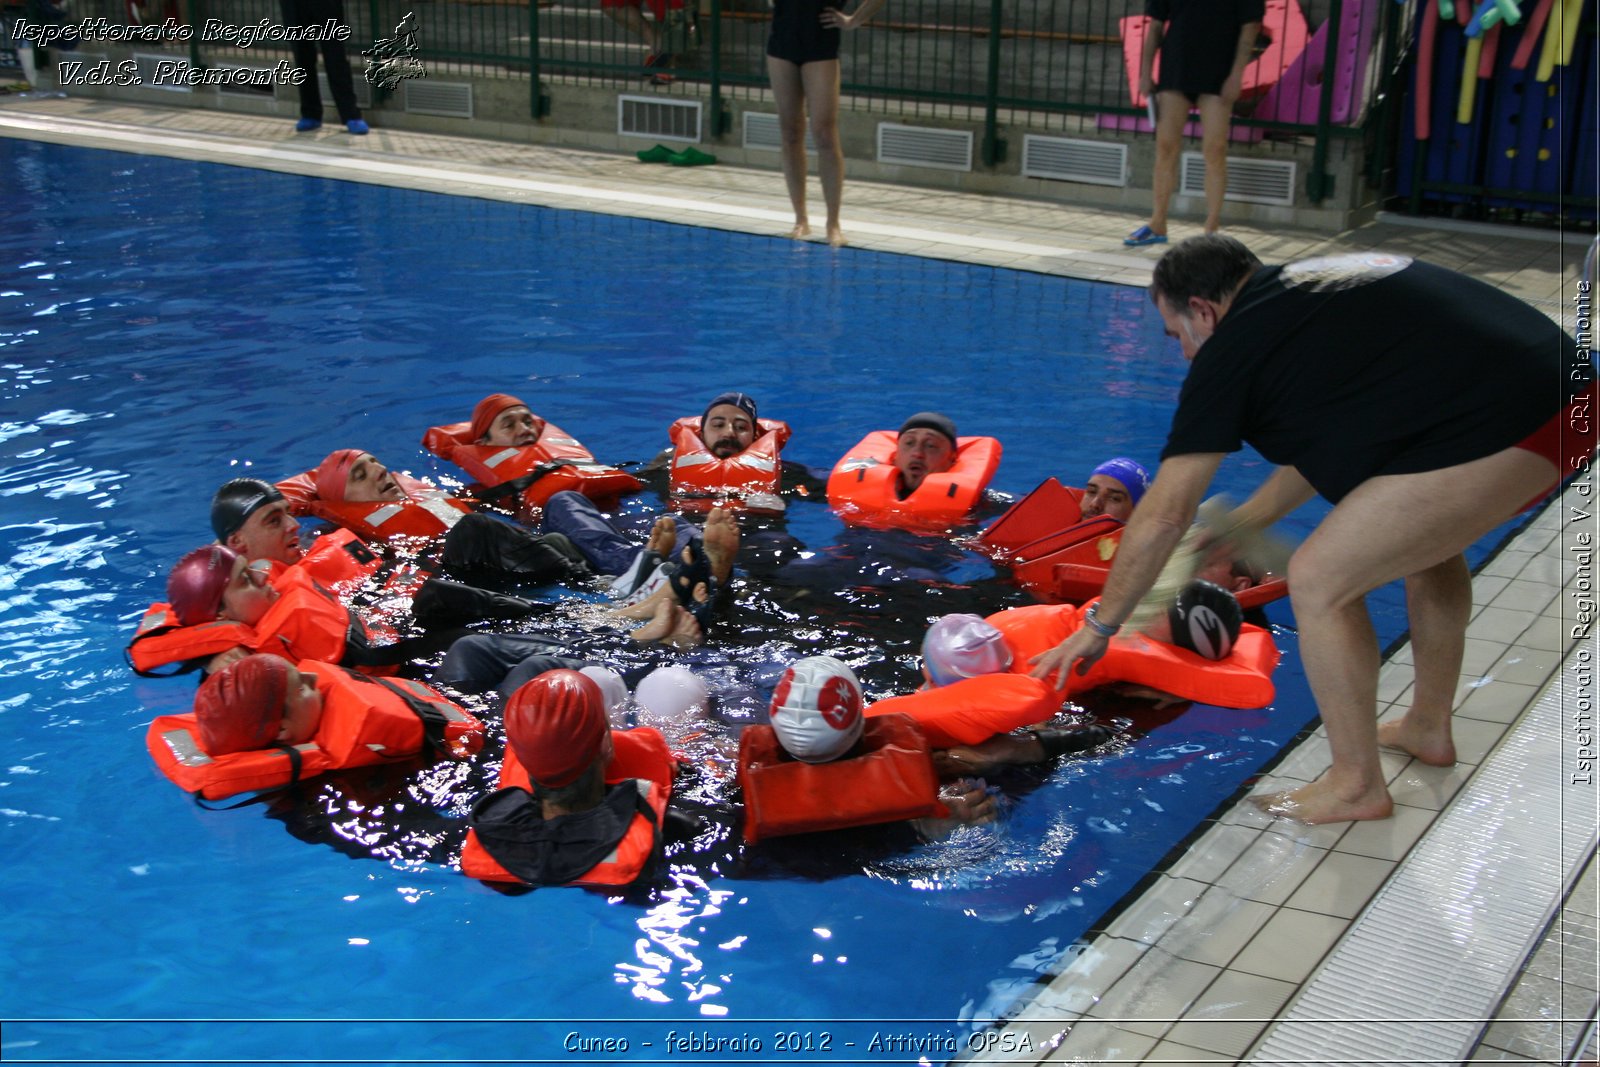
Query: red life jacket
[[306, 622], [1242, 680], [639, 756], [974, 709], [364, 721], [700, 481], [892, 779], [554, 463], [863, 485], [426, 513]]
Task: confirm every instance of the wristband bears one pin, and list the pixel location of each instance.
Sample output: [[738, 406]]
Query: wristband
[[1092, 621]]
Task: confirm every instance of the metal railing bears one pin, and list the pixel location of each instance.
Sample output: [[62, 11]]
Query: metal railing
[[1041, 63]]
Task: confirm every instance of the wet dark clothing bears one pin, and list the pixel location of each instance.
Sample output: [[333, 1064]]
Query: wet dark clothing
[[1201, 40]]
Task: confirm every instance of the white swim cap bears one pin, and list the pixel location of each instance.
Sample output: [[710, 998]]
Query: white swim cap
[[816, 709], [963, 646], [612, 687], [672, 693]]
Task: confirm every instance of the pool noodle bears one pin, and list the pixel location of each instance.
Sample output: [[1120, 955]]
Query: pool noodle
[[1552, 44], [1424, 94], [1469, 81], [1530, 35], [1491, 48], [1569, 35]]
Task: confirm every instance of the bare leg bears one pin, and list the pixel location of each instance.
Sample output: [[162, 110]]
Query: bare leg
[[1439, 604], [630, 18], [672, 625], [1215, 119], [821, 83], [1172, 113], [789, 94], [1389, 527]]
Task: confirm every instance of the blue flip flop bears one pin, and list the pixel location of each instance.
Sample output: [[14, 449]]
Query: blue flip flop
[[1144, 235]]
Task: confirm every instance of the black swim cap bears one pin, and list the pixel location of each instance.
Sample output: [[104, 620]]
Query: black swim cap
[[236, 501], [743, 401], [1205, 619], [932, 420]]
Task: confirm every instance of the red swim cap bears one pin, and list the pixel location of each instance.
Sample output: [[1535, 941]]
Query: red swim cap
[[489, 409], [333, 473], [196, 583], [240, 708], [556, 725]]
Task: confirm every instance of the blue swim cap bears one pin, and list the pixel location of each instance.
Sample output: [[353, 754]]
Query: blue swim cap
[[1131, 473]]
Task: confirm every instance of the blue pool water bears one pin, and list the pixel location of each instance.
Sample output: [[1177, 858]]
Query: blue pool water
[[167, 325]]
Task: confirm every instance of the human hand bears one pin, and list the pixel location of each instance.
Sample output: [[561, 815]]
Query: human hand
[[1084, 648], [835, 19], [970, 801], [222, 659], [1232, 88], [1147, 86]]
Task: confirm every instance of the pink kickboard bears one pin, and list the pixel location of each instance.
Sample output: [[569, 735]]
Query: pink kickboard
[[1298, 94]]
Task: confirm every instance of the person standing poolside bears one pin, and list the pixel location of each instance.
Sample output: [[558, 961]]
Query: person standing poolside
[[1204, 48], [1427, 406], [803, 66], [314, 13]]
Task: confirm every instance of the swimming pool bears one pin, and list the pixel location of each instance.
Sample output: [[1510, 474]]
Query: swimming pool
[[169, 325]]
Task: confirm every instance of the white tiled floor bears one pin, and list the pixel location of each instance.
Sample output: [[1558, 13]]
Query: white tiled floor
[[1199, 968]]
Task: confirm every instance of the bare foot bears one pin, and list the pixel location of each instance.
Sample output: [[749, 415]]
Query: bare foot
[[1424, 745], [836, 237], [1319, 803], [721, 540], [646, 608], [663, 537], [671, 625], [801, 231]]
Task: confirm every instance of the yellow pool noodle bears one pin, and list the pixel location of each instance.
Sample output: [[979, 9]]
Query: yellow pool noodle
[[1469, 80]]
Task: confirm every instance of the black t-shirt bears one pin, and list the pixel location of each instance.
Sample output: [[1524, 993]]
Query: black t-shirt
[[1352, 366], [1201, 40]]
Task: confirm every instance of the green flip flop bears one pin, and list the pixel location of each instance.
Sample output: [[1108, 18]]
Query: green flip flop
[[691, 157], [659, 154]]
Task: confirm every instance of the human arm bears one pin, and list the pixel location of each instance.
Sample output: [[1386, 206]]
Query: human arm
[[1147, 57], [833, 18], [1282, 492], [1157, 525], [1234, 85]]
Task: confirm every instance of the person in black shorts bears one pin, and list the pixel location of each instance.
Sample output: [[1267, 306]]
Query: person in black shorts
[[1426, 406], [1205, 46], [803, 66]]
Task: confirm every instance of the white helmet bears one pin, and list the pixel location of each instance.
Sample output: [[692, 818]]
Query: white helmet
[[963, 646], [816, 709]]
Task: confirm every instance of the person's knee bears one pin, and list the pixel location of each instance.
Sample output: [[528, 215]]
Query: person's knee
[[1318, 585], [825, 133]]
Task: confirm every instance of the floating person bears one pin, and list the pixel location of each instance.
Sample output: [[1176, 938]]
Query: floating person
[[921, 477]]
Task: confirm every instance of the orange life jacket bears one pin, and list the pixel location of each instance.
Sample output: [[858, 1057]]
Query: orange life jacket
[[700, 481], [863, 485], [306, 622], [974, 709], [364, 721], [426, 513], [1242, 680], [553, 463], [891, 779], [640, 756]]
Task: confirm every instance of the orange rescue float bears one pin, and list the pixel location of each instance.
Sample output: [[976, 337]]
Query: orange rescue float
[[863, 485], [427, 512], [536, 472], [750, 480]]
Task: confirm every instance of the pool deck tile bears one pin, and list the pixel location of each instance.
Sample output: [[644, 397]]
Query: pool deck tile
[[1198, 968]]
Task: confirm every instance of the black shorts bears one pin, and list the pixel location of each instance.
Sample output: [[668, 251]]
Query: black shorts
[[798, 34]]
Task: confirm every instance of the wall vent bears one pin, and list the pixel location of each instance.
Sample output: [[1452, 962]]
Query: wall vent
[[147, 71], [363, 90], [424, 96], [921, 146], [1250, 181], [659, 118], [761, 132], [1069, 159]]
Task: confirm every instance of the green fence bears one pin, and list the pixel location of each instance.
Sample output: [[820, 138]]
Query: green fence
[[1041, 63]]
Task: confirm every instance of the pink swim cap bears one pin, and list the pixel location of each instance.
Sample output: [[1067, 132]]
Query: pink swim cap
[[963, 646]]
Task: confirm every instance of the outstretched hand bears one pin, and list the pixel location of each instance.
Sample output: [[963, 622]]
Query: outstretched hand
[[1083, 648]]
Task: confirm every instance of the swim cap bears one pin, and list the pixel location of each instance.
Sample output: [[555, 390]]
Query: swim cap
[[333, 473], [816, 709], [931, 420], [963, 646], [671, 693], [1131, 473], [742, 401], [196, 583], [612, 688], [1205, 619], [489, 409], [236, 501], [556, 725], [240, 707]]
